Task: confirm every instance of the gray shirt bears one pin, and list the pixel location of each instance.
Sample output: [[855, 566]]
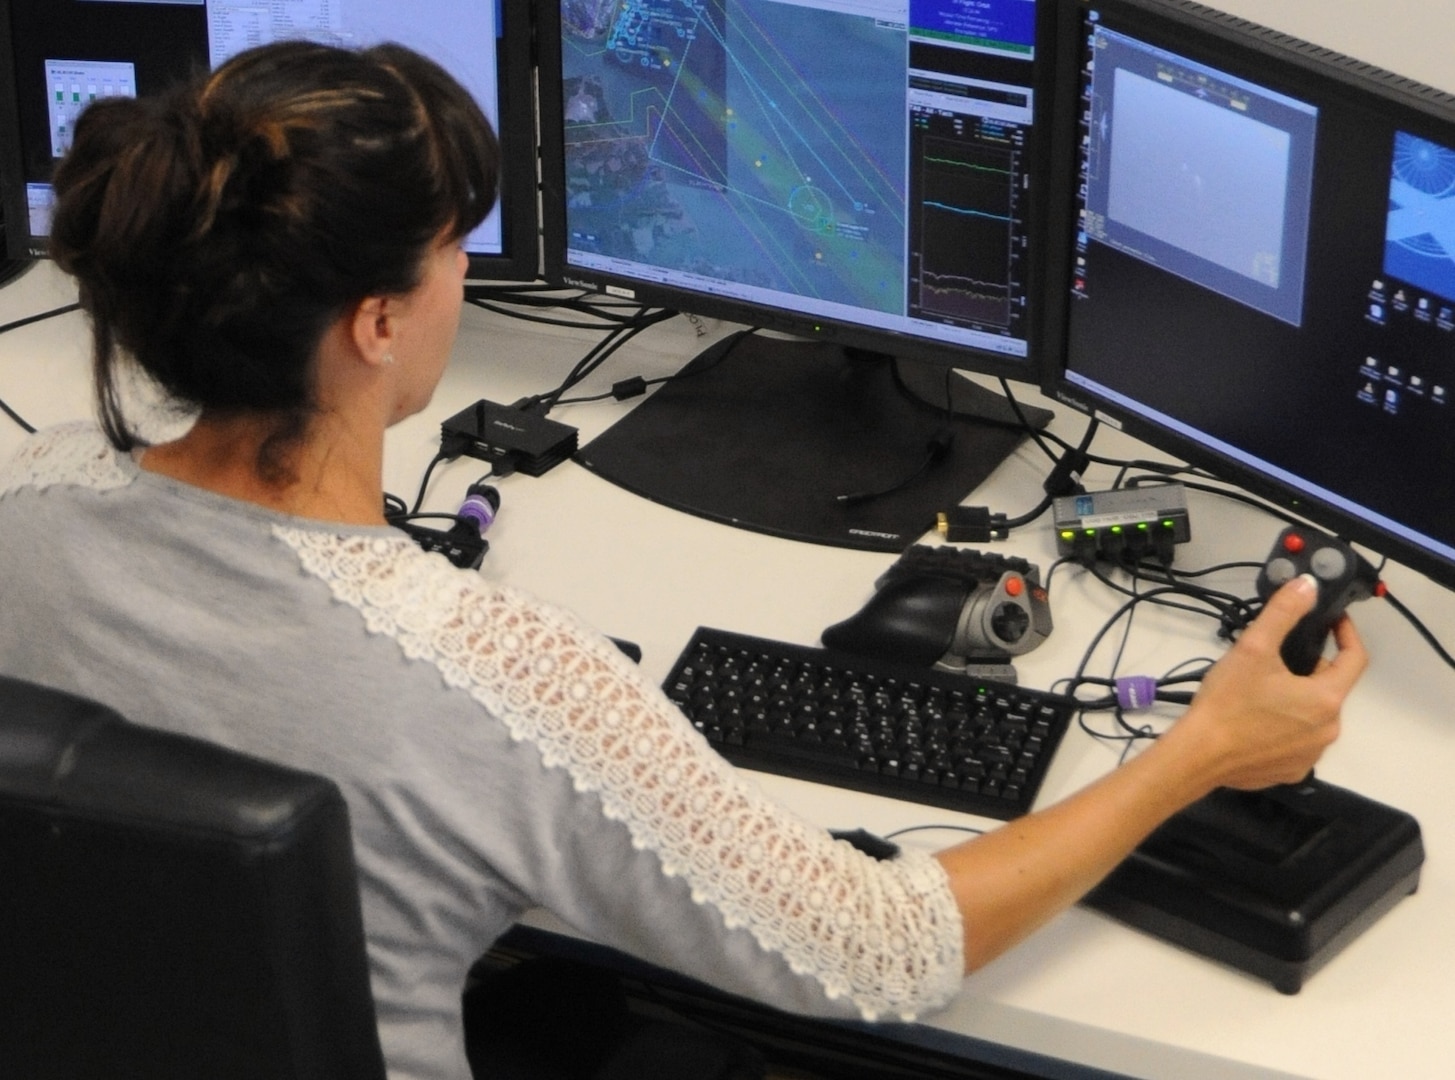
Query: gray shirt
[[496, 755]]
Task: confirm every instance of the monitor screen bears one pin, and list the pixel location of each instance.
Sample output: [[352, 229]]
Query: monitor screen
[[58, 55], [869, 164], [1257, 265], [866, 173]]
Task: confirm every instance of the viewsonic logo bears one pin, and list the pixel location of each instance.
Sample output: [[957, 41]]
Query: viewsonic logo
[[1072, 400], [1088, 408]]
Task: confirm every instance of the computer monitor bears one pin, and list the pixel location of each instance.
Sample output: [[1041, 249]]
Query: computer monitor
[[58, 55], [864, 177], [1257, 266]]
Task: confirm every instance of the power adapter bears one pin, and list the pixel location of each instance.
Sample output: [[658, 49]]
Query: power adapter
[[510, 439]]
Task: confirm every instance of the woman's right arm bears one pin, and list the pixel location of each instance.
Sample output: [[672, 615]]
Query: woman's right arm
[[1252, 724]]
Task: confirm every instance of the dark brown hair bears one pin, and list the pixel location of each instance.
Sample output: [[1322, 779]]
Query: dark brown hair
[[218, 229]]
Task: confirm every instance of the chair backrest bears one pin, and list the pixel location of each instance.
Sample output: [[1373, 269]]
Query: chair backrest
[[170, 908]]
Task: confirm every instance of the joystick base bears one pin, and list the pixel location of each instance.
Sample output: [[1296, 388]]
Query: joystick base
[[1272, 883]]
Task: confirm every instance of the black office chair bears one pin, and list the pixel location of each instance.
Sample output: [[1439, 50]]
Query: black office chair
[[170, 908]]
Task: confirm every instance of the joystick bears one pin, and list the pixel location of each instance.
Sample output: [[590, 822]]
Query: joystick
[[951, 608], [1343, 576]]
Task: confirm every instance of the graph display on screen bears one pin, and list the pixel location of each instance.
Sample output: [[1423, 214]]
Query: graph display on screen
[[966, 227]]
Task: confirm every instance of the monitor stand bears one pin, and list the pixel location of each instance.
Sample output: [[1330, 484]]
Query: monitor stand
[[767, 434]]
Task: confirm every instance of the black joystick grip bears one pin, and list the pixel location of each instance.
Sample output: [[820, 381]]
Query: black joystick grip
[[1343, 576], [951, 608]]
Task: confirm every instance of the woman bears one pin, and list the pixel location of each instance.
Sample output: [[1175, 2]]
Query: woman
[[276, 247]]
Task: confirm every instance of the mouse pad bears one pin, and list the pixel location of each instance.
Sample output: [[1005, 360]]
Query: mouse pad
[[765, 433]]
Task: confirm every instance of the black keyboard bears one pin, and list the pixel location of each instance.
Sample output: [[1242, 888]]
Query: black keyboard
[[922, 735]]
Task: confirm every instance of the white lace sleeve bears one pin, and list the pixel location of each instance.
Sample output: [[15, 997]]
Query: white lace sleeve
[[73, 453], [885, 935]]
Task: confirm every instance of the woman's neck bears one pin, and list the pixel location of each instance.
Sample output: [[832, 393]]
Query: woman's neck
[[329, 473]]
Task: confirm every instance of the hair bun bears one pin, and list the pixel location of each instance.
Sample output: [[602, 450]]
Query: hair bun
[[244, 167], [219, 128]]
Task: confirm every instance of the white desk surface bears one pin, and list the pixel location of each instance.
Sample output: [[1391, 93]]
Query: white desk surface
[[1085, 989]]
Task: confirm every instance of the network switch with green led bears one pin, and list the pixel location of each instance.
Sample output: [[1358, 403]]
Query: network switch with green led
[[1129, 523]]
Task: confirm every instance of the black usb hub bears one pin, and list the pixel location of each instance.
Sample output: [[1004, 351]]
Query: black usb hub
[[511, 439]]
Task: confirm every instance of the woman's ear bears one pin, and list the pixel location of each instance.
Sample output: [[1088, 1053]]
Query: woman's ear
[[372, 330]]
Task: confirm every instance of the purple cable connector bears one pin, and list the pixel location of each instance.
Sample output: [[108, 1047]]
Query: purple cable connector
[[480, 505], [1136, 692]]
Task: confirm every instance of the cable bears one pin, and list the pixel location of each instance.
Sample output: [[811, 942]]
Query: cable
[[619, 327], [976, 524], [934, 828], [442, 455], [66, 309], [1222, 492], [582, 302], [1226, 607], [1041, 437], [617, 337], [1421, 629], [936, 450], [625, 389], [605, 317], [1120, 692], [462, 543], [1164, 470], [25, 426]]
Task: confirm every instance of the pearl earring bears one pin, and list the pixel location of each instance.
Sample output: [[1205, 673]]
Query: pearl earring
[[387, 359]]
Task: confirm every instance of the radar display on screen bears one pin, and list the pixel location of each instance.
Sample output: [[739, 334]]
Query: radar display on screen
[[738, 146]]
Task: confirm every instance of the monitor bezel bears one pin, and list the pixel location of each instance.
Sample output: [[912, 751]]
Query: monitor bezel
[[519, 180], [557, 272], [520, 261], [1220, 40]]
